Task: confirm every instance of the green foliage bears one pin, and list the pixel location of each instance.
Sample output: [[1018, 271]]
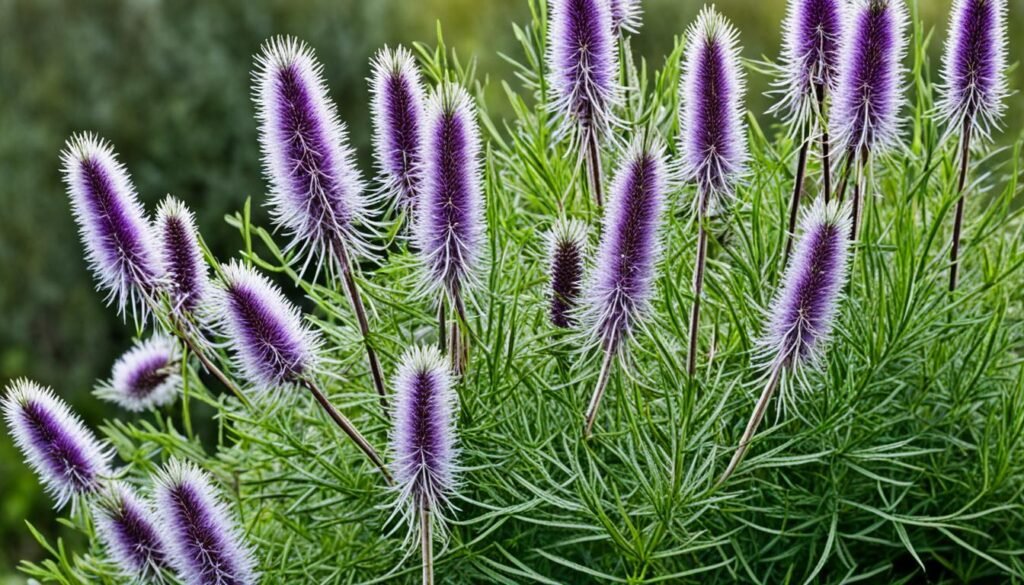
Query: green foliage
[[902, 459]]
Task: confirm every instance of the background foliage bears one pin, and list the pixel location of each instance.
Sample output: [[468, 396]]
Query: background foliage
[[168, 83]]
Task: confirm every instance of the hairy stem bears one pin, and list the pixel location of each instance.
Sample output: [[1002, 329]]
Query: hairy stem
[[794, 204], [595, 399], [594, 167], [755, 420], [698, 287], [958, 219], [426, 544]]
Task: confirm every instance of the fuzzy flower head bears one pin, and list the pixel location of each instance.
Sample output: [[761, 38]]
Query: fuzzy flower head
[[423, 441], [810, 56], [626, 16], [204, 544], [397, 93], [187, 280], [272, 346], [450, 224], [315, 185], [128, 528], [118, 243], [147, 376], [974, 65], [713, 144], [622, 282], [869, 92], [801, 315], [584, 63], [66, 456], [567, 247]]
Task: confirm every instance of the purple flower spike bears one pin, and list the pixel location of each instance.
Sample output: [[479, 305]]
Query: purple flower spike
[[711, 127], [810, 57], [423, 439], [111, 221], [128, 528], [802, 312], [584, 63], [974, 65], [450, 224], [316, 189], [868, 96], [187, 279], [147, 376], [626, 16], [623, 279], [271, 344], [65, 455], [567, 247], [398, 100], [204, 544]]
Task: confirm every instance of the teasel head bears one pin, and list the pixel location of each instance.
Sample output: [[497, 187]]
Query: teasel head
[[146, 376], [423, 440], [127, 526], [801, 314], [973, 85], [812, 32], [713, 146], [204, 544], [450, 224], [864, 114], [626, 16], [186, 278], [66, 456], [398, 99], [316, 190], [567, 248], [119, 245], [584, 64], [622, 281], [271, 344]]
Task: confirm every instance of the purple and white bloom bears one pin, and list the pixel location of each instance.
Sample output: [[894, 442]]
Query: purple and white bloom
[[712, 141], [813, 31], [147, 376], [119, 246], [622, 282], [398, 98], [567, 248], [801, 315], [584, 63], [974, 65], [271, 344], [204, 544], [187, 280], [128, 528], [423, 440], [869, 92], [626, 16], [450, 225], [66, 456], [316, 190]]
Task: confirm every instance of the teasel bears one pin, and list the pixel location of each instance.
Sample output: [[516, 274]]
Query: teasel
[[622, 283], [119, 245], [204, 544], [424, 445], [316, 189], [626, 16], [812, 32], [584, 77], [146, 376], [187, 279], [67, 457], [396, 87], [712, 143], [450, 225], [973, 91], [864, 115], [128, 528], [273, 349], [801, 316], [567, 249]]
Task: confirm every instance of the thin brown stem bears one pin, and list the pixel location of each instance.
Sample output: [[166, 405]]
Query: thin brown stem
[[794, 204], [442, 326], [698, 288], [755, 420], [459, 335], [958, 219], [347, 426], [595, 399], [845, 179], [426, 544], [826, 163], [859, 194], [594, 167]]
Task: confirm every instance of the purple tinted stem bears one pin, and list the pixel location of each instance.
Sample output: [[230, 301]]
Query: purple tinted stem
[[602, 384], [594, 167], [755, 420], [958, 220], [698, 288], [794, 204]]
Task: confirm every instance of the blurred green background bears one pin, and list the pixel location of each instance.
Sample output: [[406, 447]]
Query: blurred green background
[[168, 83]]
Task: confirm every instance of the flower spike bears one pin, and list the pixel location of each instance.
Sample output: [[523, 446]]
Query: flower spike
[[187, 278], [398, 98], [147, 376], [127, 526], [567, 248]]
